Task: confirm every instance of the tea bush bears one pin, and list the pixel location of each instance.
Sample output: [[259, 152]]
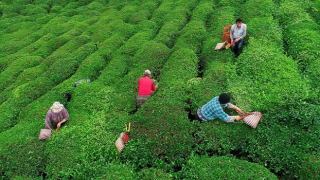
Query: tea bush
[[203, 11], [63, 52], [214, 65], [15, 68], [84, 124], [300, 36], [315, 10], [300, 33], [269, 29], [127, 12], [31, 9], [159, 14], [117, 67], [310, 167], [231, 81], [224, 168], [175, 21], [87, 67], [259, 69], [162, 128], [33, 90], [193, 35], [257, 8], [37, 109], [147, 26], [22, 45], [5, 61], [135, 42], [20, 157], [13, 42], [152, 56], [48, 45], [305, 4], [115, 27], [78, 112], [152, 173]]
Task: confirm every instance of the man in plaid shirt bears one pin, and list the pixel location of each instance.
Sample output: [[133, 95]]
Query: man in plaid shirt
[[214, 109]]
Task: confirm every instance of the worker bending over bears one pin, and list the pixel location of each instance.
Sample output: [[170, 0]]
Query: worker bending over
[[146, 88], [57, 115], [214, 109], [237, 33]]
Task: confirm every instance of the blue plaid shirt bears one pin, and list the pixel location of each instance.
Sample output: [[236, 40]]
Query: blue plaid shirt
[[213, 109]]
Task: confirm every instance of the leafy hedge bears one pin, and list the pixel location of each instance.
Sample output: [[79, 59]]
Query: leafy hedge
[[163, 134], [90, 67], [257, 8], [153, 56], [19, 38], [214, 65], [37, 71], [56, 26], [175, 21], [261, 69], [162, 138], [258, 81], [315, 10], [159, 14], [15, 68], [36, 111], [161, 127], [100, 32], [223, 168], [300, 33], [58, 71]]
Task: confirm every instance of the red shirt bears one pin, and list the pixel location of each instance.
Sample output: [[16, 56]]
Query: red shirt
[[145, 86]]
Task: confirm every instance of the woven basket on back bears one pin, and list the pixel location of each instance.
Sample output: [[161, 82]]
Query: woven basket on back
[[226, 33]]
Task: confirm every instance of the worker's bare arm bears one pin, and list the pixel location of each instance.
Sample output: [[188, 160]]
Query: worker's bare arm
[[235, 107], [63, 121]]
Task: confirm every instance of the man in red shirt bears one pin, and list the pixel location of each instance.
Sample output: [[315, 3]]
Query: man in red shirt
[[146, 88]]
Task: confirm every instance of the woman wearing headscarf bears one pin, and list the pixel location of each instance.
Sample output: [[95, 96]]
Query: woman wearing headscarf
[[146, 88], [57, 115]]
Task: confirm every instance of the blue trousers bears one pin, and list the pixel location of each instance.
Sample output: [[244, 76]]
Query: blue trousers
[[237, 46]]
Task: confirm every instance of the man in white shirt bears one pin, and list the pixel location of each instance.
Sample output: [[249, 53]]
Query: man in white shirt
[[237, 33]]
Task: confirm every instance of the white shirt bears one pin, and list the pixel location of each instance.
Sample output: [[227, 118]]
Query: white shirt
[[236, 32]]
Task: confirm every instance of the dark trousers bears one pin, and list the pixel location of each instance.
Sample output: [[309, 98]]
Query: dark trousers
[[196, 117], [236, 47]]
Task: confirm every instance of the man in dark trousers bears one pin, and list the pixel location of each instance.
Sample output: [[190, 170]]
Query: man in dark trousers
[[146, 88], [214, 109], [237, 33]]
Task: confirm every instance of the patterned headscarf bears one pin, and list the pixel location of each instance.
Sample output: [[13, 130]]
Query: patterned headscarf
[[56, 107], [147, 72]]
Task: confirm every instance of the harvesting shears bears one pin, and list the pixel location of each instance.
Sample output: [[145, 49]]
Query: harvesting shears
[[227, 46], [57, 129], [127, 132], [244, 114]]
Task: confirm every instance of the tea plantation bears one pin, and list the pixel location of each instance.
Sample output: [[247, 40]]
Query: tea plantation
[[48, 45]]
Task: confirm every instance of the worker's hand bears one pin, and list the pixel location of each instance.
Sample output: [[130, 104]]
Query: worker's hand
[[59, 124], [231, 40], [237, 118], [237, 40]]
